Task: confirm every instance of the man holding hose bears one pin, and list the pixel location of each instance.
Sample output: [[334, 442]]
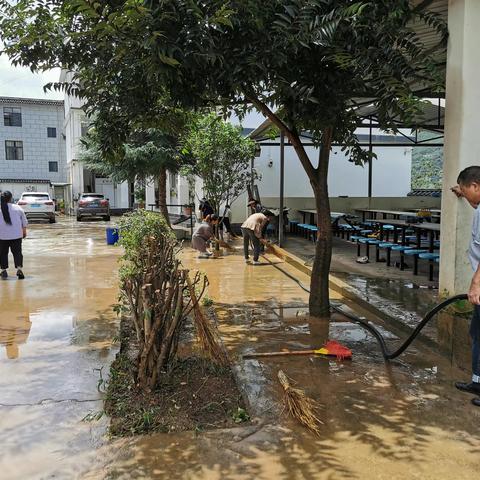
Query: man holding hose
[[469, 188]]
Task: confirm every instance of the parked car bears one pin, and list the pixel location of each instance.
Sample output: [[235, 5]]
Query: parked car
[[93, 205], [38, 205]]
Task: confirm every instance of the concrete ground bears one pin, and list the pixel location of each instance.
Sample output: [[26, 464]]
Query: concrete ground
[[396, 421]]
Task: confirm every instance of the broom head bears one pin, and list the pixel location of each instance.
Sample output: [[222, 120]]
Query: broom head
[[335, 349]]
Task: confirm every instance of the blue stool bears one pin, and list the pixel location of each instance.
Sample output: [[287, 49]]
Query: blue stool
[[413, 252], [431, 257], [367, 242], [387, 246], [312, 232], [401, 249]]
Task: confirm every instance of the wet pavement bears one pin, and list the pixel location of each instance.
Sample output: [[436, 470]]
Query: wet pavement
[[56, 332], [381, 421]]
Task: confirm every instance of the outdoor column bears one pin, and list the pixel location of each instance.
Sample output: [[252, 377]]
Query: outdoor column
[[282, 189], [462, 140]]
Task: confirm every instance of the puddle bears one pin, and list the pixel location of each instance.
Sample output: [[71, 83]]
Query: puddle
[[56, 331]]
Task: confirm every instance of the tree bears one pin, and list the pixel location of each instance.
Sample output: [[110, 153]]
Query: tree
[[305, 64], [148, 154], [220, 156]]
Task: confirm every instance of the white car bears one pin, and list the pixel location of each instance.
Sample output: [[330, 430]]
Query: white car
[[38, 205]]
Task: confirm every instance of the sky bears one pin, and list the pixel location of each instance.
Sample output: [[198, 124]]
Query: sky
[[21, 82]]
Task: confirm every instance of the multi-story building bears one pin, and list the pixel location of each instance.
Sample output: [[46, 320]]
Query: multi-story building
[[32, 146], [79, 178]]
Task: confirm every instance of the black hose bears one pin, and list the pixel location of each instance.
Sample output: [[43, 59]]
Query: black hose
[[383, 346]]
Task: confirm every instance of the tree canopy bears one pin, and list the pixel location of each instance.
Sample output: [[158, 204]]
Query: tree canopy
[[220, 156], [305, 64]]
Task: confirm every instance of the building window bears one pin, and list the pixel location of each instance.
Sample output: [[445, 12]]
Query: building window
[[51, 132], [13, 150], [53, 166], [12, 116]]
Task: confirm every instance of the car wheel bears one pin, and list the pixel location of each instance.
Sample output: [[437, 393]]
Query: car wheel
[[79, 219], [52, 220], [106, 218]]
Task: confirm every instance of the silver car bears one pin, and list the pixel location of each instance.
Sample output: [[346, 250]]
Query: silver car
[[93, 205]]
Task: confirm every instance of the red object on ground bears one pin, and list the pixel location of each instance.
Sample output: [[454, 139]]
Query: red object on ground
[[338, 350]]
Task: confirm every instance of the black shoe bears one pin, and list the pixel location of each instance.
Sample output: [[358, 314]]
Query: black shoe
[[476, 402], [20, 274], [4, 275], [472, 387]]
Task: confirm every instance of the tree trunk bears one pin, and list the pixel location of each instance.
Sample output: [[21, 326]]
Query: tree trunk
[[162, 194], [319, 304]]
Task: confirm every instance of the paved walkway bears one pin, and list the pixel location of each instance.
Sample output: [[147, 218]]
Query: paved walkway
[[403, 420]]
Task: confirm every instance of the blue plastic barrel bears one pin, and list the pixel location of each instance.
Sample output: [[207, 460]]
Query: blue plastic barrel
[[112, 235]]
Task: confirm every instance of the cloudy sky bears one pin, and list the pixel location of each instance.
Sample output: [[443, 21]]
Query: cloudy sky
[[20, 82]]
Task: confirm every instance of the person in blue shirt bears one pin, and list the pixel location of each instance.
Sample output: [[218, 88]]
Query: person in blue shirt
[[469, 188], [13, 228]]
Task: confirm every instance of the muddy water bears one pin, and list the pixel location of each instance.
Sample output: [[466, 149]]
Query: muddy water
[[56, 331], [397, 421]]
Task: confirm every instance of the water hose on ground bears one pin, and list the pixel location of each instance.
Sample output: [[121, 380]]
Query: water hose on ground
[[387, 355]]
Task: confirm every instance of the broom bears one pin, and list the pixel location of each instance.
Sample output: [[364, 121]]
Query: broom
[[226, 245], [300, 406], [206, 333], [331, 349]]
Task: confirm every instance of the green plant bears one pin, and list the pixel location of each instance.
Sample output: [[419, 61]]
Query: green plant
[[220, 155], [135, 229], [240, 415], [207, 301]]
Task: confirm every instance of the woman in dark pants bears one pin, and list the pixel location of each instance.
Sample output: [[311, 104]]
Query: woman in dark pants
[[13, 228]]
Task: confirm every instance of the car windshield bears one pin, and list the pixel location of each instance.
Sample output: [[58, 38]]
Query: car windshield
[[37, 196], [93, 195]]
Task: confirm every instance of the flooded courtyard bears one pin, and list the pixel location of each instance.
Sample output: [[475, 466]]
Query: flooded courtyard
[[57, 330]]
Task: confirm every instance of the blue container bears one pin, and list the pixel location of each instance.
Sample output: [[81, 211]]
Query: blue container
[[112, 235]]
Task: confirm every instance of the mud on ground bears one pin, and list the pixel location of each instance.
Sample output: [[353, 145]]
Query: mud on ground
[[195, 395]]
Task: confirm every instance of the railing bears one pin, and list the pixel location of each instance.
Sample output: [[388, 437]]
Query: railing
[[182, 205]]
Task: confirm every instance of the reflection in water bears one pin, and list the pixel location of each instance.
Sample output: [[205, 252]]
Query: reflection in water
[[15, 321]]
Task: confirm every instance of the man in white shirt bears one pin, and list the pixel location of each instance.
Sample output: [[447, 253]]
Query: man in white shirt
[[469, 188]]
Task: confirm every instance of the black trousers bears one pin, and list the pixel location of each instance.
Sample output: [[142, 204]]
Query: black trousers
[[16, 248], [249, 236]]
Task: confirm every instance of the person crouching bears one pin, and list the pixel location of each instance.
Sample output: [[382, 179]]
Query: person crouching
[[203, 234]]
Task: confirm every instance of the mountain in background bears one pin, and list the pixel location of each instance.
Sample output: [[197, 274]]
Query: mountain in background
[[427, 164]]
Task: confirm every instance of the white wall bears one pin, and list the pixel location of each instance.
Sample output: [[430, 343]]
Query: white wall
[[391, 173]]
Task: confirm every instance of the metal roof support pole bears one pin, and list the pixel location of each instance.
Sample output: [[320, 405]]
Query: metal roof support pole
[[370, 163], [282, 188]]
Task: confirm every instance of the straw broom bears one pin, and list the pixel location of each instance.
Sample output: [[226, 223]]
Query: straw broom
[[207, 335], [299, 405]]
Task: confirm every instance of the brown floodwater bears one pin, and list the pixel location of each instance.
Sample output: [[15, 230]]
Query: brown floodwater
[[381, 421]]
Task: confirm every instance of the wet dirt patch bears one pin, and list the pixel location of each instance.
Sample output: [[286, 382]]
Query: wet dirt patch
[[194, 395]]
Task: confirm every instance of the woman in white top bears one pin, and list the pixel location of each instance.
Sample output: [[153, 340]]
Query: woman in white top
[[13, 228]]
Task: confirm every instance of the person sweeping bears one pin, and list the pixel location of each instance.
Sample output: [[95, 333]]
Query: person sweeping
[[252, 232], [13, 228], [203, 234], [469, 188]]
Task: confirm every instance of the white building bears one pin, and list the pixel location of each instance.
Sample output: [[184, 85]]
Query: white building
[[79, 178], [32, 152]]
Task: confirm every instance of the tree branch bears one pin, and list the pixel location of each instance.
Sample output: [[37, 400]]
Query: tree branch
[[291, 134]]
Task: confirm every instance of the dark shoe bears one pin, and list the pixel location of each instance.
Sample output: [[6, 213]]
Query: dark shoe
[[20, 274], [4, 275], [472, 387], [476, 402]]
